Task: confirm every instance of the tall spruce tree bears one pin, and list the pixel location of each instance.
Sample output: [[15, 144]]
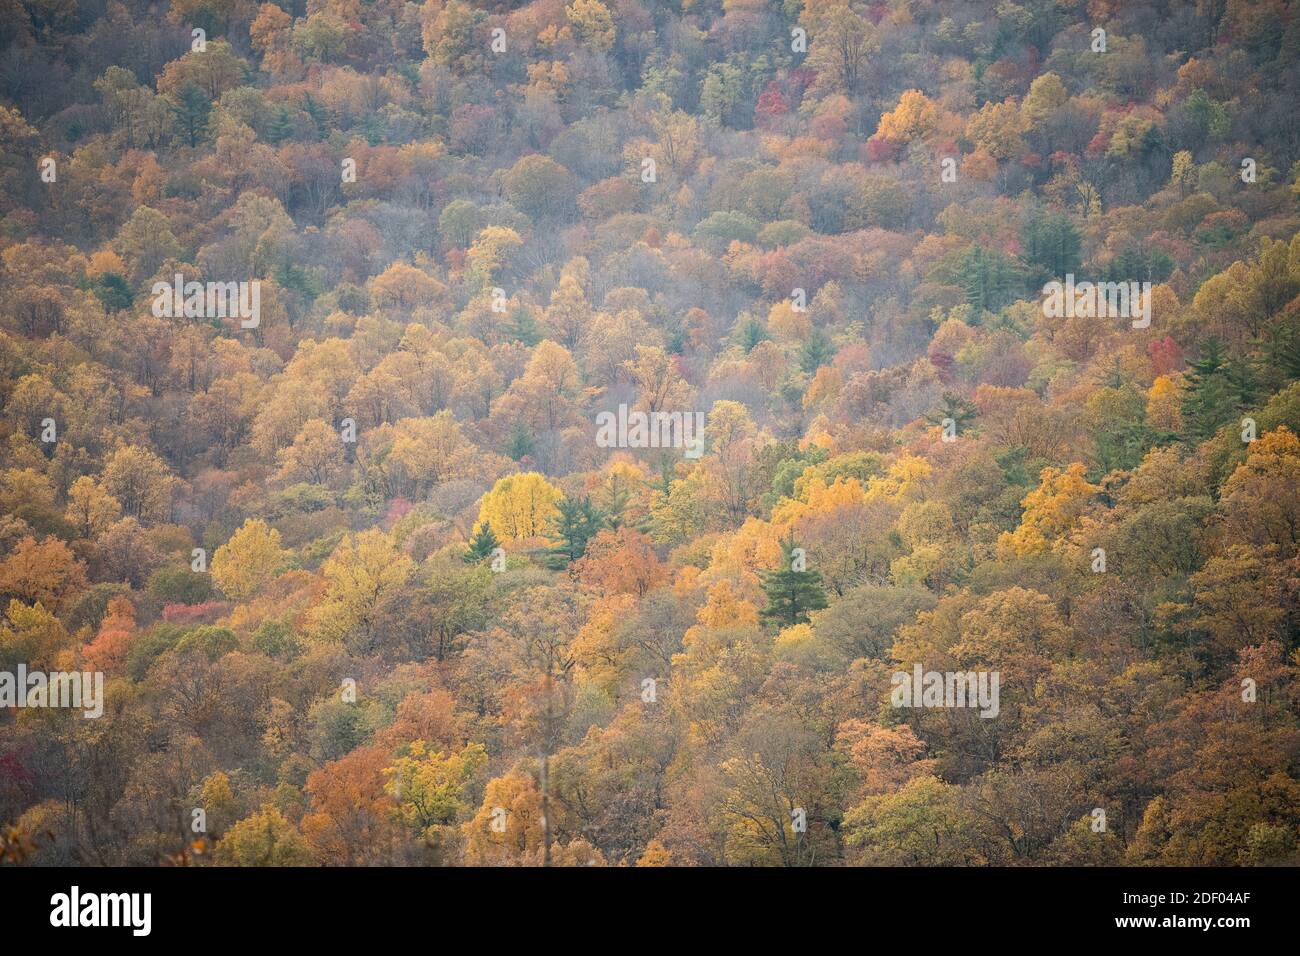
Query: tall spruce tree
[[577, 523], [1209, 402], [615, 501], [986, 278], [481, 545], [523, 328], [791, 593], [192, 109], [520, 442], [955, 407], [750, 334], [1051, 243], [816, 352], [1282, 349]]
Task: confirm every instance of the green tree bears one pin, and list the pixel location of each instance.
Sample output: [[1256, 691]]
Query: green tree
[[816, 351], [523, 327], [520, 442], [1217, 390], [192, 108], [792, 590], [577, 523], [986, 278], [1051, 243], [481, 545], [953, 407], [750, 334]]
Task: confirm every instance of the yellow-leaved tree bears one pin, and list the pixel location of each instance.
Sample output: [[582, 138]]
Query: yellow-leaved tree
[[1163, 403], [492, 249], [247, 562], [914, 117], [363, 570], [91, 509], [519, 506], [1051, 510]]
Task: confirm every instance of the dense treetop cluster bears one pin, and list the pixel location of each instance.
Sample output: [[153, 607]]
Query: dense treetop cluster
[[366, 589]]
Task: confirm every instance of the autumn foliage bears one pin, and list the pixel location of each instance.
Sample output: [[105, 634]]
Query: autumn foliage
[[365, 587]]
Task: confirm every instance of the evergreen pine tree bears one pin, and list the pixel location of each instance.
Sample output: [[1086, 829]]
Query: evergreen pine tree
[[520, 442], [1051, 243], [192, 109], [615, 502], [1282, 351], [317, 112], [751, 333], [575, 525], [280, 126], [1242, 382], [523, 328], [986, 278], [816, 352], [113, 292], [791, 594], [955, 407], [481, 545], [1209, 403]]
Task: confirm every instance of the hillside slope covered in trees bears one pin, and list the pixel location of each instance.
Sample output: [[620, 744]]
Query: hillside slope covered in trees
[[364, 576]]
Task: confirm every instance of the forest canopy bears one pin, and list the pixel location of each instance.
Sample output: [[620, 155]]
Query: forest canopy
[[521, 433]]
